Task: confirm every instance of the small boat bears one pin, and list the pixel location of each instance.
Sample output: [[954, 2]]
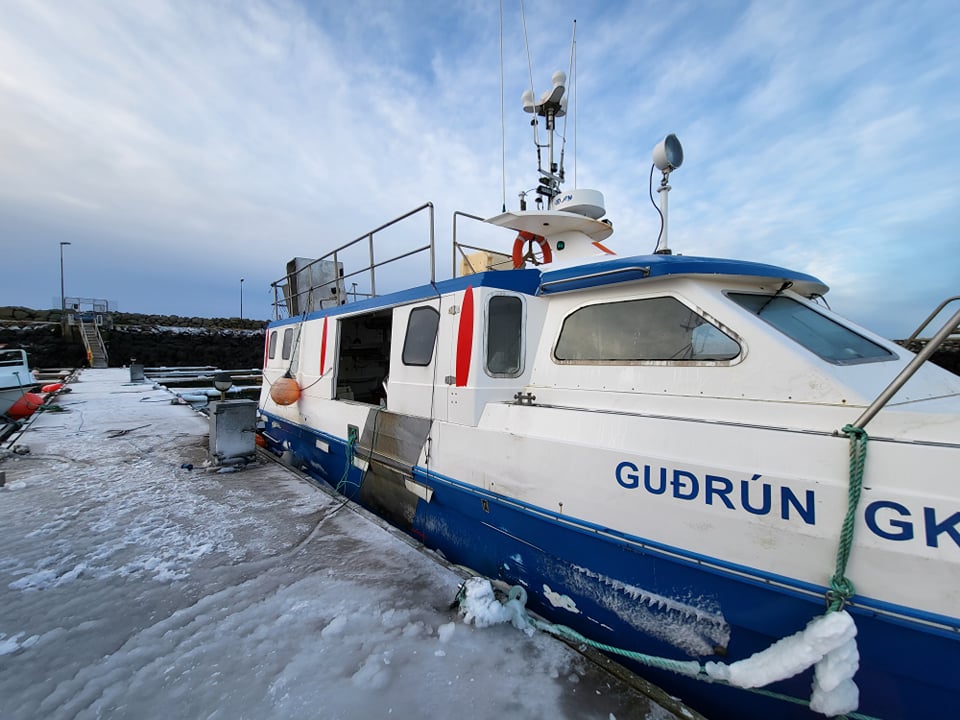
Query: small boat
[[15, 377], [690, 458]]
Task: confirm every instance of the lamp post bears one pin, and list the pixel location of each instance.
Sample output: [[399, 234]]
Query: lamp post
[[241, 298], [63, 302]]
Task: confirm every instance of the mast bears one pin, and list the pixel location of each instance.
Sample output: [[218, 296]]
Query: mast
[[553, 104]]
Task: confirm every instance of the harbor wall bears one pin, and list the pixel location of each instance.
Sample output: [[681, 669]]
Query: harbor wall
[[150, 339]]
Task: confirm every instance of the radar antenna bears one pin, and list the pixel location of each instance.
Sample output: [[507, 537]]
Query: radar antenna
[[552, 104]]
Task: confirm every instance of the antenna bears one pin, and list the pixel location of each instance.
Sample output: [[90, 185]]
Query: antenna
[[553, 104]]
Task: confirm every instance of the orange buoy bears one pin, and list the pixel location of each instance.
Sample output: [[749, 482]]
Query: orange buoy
[[52, 388], [285, 391], [25, 406], [260, 440]]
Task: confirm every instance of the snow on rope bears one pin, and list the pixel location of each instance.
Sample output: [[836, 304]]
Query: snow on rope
[[828, 644]]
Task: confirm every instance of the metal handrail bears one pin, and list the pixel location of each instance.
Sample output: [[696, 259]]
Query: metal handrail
[[930, 317], [371, 268], [931, 347], [459, 247]]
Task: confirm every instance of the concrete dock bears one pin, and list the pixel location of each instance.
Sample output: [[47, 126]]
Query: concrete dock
[[136, 581]]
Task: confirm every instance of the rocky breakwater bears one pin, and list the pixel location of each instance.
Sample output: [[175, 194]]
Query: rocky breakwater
[[39, 333], [150, 339], [154, 340]]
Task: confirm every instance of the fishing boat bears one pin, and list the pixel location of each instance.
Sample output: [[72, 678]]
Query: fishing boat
[[689, 458], [15, 377]]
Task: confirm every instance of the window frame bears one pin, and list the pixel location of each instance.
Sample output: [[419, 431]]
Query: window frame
[[523, 335], [272, 346], [286, 349], [708, 319], [406, 336]]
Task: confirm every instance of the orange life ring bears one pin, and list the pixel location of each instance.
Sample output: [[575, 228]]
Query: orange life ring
[[524, 250]]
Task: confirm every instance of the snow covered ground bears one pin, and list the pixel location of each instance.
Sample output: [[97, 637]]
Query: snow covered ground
[[131, 587]]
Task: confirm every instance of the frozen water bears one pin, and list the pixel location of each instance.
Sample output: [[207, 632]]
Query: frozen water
[[133, 588]]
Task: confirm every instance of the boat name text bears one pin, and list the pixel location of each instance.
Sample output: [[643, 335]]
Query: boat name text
[[884, 518]]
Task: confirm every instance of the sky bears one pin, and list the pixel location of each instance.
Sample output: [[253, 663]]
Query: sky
[[134, 588], [182, 146]]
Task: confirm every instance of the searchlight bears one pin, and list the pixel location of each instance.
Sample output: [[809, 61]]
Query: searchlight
[[667, 157]]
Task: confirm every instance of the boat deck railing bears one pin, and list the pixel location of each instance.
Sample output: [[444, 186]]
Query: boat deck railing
[[459, 248], [288, 299], [929, 348], [915, 336]]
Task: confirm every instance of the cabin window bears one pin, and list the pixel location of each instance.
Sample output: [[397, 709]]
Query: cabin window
[[504, 336], [287, 343], [660, 329], [273, 345], [816, 332], [421, 336]]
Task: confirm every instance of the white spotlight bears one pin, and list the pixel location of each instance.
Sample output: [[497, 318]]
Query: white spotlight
[[668, 154]]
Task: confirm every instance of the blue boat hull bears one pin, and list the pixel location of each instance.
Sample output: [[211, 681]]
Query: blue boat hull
[[908, 668]]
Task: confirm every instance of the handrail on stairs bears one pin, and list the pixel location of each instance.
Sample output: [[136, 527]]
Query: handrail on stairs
[[929, 349], [86, 340]]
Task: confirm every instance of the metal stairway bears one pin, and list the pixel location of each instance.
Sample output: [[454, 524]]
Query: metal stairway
[[93, 342]]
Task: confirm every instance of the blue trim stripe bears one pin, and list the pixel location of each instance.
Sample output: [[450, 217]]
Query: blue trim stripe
[[708, 563], [620, 270]]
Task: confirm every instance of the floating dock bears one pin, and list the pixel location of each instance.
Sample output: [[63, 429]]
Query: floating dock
[[139, 581]]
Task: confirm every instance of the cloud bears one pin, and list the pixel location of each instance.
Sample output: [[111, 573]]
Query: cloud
[[182, 146]]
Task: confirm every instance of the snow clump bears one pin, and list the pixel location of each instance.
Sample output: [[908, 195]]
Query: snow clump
[[479, 605]]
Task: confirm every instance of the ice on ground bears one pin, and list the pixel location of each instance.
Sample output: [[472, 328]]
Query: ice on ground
[[131, 587]]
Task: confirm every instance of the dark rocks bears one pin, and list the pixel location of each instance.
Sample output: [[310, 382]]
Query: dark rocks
[[151, 339], [153, 346], [947, 355], [45, 345]]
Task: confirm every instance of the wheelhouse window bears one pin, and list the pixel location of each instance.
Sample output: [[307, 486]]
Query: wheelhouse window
[[650, 329], [504, 335], [273, 345], [421, 336], [287, 344], [816, 332]]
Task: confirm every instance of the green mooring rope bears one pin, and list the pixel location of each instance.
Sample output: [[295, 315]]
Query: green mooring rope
[[841, 587], [689, 668]]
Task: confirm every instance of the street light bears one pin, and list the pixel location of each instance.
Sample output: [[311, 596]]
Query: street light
[[63, 302], [241, 298]]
